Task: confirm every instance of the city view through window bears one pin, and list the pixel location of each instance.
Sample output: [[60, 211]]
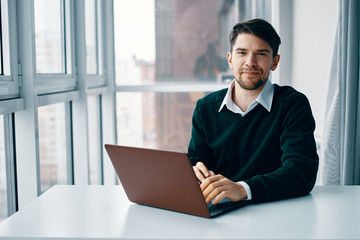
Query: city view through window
[[167, 42]]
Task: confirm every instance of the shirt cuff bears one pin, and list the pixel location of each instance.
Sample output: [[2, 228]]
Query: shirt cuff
[[247, 189]]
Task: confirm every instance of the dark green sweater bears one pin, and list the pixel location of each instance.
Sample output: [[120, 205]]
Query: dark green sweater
[[273, 152]]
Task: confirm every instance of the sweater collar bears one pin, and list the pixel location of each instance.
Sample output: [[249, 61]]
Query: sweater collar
[[265, 99]]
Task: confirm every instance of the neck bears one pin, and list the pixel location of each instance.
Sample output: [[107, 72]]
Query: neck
[[243, 97]]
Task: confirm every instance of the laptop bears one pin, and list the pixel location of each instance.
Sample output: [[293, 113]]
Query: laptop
[[163, 179]]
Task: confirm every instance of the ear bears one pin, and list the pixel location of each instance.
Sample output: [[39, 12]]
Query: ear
[[229, 56], [275, 62]]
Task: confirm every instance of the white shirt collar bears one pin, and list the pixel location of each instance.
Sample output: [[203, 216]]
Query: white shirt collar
[[265, 99]]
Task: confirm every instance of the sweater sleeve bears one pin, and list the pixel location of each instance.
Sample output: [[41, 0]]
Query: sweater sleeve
[[299, 161]]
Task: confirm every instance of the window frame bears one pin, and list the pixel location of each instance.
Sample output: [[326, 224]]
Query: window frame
[[12, 204], [98, 79], [9, 84], [98, 131], [68, 134], [60, 82]]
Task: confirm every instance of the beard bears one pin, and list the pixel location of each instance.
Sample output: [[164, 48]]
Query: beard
[[250, 85]]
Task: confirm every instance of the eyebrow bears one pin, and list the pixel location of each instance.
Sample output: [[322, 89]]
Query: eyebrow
[[263, 50], [260, 50], [240, 49]]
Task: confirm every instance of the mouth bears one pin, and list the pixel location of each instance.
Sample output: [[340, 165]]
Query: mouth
[[251, 73]]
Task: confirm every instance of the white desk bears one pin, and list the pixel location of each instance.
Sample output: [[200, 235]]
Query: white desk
[[103, 212]]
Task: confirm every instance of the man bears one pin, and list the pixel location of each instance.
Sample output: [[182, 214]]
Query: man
[[255, 139]]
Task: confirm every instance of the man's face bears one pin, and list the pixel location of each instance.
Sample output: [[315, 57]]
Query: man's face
[[251, 61]]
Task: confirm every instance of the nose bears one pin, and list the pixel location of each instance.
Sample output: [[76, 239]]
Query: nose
[[251, 61]]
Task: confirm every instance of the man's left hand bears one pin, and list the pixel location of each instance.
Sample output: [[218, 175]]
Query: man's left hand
[[219, 187]]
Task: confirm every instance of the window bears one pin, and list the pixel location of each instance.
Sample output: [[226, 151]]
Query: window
[[90, 23], [172, 41], [3, 182], [8, 195], [155, 120], [54, 164], [95, 162], [41, 131], [5, 47], [53, 43], [94, 46], [50, 46], [8, 55], [180, 48], [93, 37]]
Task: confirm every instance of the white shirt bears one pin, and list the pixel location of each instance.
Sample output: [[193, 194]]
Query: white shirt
[[265, 99]]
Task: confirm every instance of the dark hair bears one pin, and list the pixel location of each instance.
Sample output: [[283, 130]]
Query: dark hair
[[261, 29]]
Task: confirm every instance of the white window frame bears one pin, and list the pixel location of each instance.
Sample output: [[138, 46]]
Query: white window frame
[[38, 90], [98, 140], [98, 80], [44, 89], [89, 85], [53, 83], [9, 84], [10, 164]]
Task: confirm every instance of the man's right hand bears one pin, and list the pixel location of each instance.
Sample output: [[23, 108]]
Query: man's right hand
[[202, 172]]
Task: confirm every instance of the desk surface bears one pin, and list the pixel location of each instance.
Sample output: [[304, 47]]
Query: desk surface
[[103, 212]]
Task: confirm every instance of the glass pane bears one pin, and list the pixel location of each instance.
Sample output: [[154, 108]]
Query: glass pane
[[155, 120], [68, 43], [52, 145], [49, 36], [172, 40], [3, 185], [90, 24], [100, 36], [95, 169], [4, 39]]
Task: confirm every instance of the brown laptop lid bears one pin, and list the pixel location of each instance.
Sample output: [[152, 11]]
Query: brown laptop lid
[[157, 178]]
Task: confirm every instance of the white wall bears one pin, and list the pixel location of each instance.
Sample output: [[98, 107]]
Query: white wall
[[314, 30]]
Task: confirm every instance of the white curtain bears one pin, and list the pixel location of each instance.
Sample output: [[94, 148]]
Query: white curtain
[[340, 150]]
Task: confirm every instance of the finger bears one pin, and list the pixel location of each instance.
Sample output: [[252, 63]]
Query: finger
[[216, 195], [201, 167], [227, 189], [218, 187], [199, 174], [212, 173], [219, 197], [211, 187], [208, 183]]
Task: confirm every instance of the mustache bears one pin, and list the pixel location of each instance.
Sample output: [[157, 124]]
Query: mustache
[[241, 70], [254, 69]]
